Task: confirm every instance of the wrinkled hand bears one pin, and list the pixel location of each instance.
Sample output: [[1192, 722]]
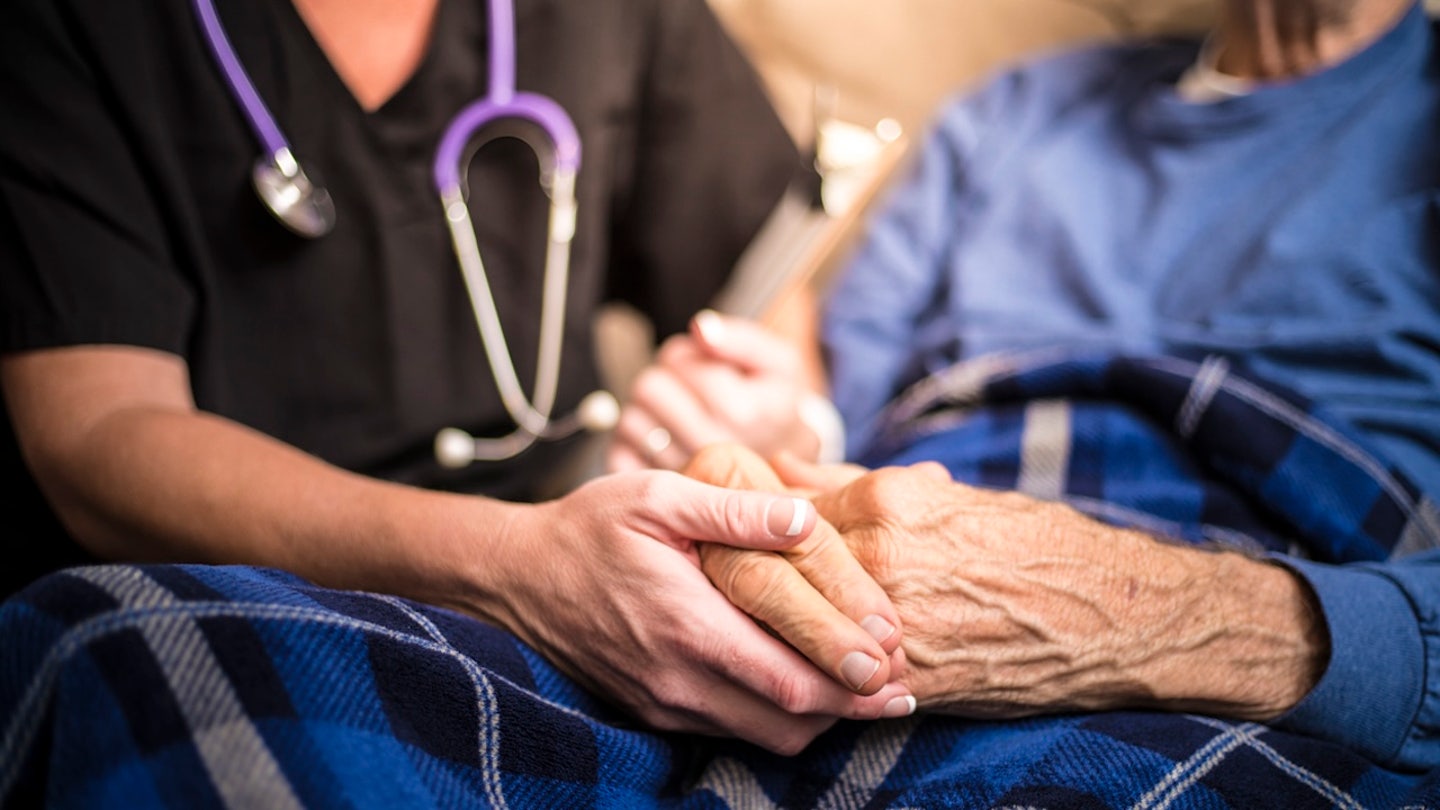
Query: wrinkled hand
[[1014, 606], [727, 380], [606, 583], [813, 594]]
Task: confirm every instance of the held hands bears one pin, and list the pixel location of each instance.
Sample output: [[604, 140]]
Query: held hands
[[606, 583], [813, 593], [727, 380], [1013, 606]]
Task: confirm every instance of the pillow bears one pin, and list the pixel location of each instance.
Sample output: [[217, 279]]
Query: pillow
[[898, 58]]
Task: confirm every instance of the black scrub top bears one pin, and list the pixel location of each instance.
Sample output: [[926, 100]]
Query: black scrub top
[[127, 217]]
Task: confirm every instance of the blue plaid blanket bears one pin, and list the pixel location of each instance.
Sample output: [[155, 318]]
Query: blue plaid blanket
[[1189, 450], [195, 686]]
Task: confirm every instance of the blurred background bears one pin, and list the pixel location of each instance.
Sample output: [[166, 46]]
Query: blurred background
[[855, 82], [897, 58]]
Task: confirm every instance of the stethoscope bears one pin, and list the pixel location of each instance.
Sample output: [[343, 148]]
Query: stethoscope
[[306, 209]]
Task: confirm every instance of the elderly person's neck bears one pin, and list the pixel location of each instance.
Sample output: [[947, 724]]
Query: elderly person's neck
[[1274, 40]]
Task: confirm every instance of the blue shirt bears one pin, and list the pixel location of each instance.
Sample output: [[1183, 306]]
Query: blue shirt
[[1079, 201]]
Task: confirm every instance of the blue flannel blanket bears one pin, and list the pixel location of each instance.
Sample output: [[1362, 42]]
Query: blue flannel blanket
[[195, 686]]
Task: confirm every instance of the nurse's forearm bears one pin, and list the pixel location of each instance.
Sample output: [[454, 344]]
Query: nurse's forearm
[[135, 472], [193, 487]]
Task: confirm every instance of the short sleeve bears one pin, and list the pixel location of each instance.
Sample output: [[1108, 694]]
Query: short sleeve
[[83, 256]]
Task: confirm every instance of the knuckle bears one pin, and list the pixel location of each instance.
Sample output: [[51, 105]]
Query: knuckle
[[668, 693], [674, 349], [794, 693], [816, 553], [649, 385], [719, 566], [932, 469], [735, 515], [633, 420], [651, 490], [889, 484], [715, 462], [724, 566], [753, 579]]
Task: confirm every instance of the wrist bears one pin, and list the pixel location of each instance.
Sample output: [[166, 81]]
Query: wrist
[[470, 554], [1252, 644]]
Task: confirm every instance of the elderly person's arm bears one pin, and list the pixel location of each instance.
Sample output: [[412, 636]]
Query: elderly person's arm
[[1013, 606]]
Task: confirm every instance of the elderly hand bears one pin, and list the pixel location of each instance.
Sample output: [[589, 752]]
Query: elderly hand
[[1014, 606], [729, 379], [606, 583]]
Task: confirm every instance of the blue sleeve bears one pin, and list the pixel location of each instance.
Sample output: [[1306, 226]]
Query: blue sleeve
[[873, 311], [891, 308], [1380, 694]]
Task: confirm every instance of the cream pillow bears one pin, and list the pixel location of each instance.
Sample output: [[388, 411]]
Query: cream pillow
[[898, 58]]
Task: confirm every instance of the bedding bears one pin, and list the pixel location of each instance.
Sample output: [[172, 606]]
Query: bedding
[[223, 686]]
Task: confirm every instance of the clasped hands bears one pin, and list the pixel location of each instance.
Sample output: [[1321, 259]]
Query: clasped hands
[[1010, 606]]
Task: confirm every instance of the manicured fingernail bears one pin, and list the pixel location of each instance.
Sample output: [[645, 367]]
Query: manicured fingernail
[[899, 707], [877, 627], [710, 326], [785, 517], [857, 668]]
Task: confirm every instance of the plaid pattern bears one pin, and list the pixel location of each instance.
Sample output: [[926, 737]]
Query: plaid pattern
[[1193, 451], [191, 686], [195, 686]]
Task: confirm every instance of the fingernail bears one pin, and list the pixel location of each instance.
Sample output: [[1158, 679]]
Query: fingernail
[[899, 707], [710, 326], [785, 517], [877, 627], [857, 668]]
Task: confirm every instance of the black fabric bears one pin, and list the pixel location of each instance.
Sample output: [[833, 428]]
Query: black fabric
[[127, 215]]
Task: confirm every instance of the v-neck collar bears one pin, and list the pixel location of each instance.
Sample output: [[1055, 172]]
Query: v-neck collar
[[447, 20], [1325, 94]]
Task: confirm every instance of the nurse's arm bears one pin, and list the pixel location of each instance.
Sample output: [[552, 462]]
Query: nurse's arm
[[137, 472]]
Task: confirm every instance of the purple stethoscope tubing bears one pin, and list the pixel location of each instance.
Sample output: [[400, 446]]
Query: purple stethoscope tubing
[[503, 101], [271, 138], [531, 414], [307, 210], [279, 180]]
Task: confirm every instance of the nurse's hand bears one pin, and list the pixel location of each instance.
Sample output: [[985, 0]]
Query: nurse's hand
[[728, 380], [606, 583]]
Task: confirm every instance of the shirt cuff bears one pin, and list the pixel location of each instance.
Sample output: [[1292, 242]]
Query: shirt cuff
[[1373, 687]]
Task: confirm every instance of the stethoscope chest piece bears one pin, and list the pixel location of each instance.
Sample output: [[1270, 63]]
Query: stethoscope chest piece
[[300, 205]]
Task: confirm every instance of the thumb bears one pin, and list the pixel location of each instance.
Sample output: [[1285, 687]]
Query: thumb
[[768, 521], [741, 342]]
